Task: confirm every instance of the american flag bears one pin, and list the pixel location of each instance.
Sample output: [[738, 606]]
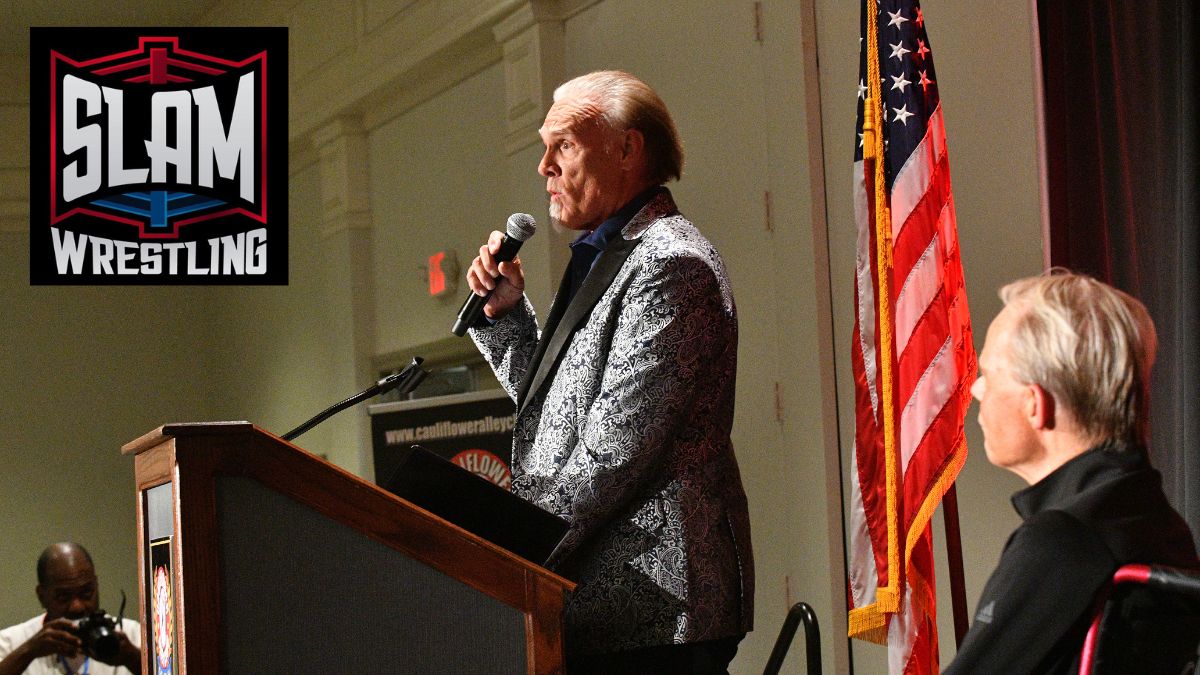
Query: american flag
[[912, 354]]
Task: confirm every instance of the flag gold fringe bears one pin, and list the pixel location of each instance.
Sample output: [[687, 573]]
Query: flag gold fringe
[[934, 496], [870, 621]]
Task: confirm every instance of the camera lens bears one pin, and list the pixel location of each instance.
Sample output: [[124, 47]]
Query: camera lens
[[104, 644], [98, 634]]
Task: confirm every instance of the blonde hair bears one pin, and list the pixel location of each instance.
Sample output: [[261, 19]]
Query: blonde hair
[[1091, 346], [629, 103]]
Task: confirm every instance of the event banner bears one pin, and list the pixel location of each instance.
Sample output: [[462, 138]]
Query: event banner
[[473, 430]]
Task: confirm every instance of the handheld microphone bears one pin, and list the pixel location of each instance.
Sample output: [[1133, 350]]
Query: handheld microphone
[[520, 227]]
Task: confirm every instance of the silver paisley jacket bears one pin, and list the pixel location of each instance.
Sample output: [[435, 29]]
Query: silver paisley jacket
[[624, 411]]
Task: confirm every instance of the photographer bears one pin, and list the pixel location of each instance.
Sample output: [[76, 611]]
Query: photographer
[[50, 643]]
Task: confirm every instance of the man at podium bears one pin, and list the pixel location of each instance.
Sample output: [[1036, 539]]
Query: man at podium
[[625, 395], [70, 637]]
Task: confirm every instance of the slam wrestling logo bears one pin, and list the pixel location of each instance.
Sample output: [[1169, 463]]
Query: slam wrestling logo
[[158, 156]]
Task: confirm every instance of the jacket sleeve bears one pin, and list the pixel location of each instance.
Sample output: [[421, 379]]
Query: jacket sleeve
[[674, 327], [509, 344], [1035, 607]]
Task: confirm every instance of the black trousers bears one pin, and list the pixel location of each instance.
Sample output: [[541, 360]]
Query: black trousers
[[693, 658]]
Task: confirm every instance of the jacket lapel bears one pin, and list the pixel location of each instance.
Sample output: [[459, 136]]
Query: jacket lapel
[[565, 317], [556, 312], [563, 321]]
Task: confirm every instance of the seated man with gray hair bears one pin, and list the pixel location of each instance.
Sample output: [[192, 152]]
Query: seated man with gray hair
[[1063, 400]]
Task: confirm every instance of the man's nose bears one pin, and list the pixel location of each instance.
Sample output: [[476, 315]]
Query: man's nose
[[977, 388], [546, 167], [77, 607]]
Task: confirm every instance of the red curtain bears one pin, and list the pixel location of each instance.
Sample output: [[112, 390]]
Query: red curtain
[[1121, 130]]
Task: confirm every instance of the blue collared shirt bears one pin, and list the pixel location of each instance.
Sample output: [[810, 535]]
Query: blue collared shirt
[[586, 249]]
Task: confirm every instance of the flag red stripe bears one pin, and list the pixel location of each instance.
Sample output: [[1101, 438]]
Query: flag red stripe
[[921, 226], [870, 463]]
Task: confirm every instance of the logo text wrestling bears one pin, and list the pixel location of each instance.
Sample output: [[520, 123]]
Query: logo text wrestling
[[162, 162]]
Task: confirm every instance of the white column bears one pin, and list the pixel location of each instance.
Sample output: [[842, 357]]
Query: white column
[[347, 280], [533, 42]]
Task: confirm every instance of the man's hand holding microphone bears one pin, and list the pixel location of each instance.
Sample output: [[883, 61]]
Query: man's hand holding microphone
[[495, 276]]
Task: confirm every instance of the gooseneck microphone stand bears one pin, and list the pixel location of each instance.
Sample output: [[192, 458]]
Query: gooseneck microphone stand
[[404, 381]]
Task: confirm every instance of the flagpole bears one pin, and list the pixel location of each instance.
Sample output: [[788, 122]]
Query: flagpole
[[954, 558]]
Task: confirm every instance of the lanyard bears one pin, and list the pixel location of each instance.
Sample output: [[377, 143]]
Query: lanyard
[[87, 662]]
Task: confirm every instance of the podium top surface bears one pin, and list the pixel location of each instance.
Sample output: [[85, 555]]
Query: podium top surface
[[153, 438]]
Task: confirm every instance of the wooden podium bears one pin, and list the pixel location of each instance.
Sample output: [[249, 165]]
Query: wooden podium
[[257, 556]]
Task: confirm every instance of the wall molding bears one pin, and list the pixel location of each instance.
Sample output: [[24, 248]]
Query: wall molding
[[422, 43], [345, 176]]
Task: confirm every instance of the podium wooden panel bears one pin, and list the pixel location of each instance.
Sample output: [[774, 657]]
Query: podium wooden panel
[[278, 558]]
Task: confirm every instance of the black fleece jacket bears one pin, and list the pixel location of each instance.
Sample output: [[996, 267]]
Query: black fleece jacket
[[1103, 509]]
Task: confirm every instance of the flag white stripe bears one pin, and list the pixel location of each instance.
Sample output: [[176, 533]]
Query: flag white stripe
[[863, 578], [902, 634], [912, 181], [928, 398], [866, 287]]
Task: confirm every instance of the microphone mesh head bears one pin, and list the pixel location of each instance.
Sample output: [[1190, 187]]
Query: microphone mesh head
[[521, 226]]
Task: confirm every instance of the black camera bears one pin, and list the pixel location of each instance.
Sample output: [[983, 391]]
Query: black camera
[[98, 632]]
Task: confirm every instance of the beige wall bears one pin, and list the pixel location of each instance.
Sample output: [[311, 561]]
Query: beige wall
[[271, 348], [405, 143], [85, 369], [437, 183]]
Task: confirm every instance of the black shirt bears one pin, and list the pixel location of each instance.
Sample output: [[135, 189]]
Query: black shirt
[[1103, 509]]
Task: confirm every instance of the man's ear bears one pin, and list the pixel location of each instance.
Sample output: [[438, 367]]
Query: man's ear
[[1042, 409], [42, 593], [633, 147]]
